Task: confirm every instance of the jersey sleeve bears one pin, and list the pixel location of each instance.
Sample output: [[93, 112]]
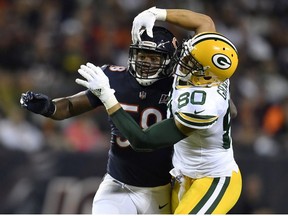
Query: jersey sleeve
[[195, 121]]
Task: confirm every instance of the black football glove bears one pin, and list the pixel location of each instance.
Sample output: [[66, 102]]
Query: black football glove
[[37, 103]]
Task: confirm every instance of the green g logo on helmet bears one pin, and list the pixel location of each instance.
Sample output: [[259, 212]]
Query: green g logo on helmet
[[221, 61]]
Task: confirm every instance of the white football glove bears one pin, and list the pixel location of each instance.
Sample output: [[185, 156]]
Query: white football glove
[[146, 20], [98, 83]]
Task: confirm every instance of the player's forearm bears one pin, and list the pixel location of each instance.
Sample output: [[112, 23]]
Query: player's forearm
[[190, 20], [62, 109], [67, 107], [159, 135]]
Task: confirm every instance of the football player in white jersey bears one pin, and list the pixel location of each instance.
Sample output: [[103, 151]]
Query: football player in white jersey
[[207, 178]]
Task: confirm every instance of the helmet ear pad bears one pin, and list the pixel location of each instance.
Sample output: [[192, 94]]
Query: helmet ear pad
[[162, 44]]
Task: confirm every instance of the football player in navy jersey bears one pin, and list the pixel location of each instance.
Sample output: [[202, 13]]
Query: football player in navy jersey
[[136, 182]]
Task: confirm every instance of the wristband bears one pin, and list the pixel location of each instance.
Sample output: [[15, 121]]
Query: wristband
[[160, 14]]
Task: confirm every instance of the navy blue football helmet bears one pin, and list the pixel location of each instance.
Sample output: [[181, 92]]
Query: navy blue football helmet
[[150, 59]]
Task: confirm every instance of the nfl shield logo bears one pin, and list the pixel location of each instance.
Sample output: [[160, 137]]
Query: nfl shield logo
[[142, 95]]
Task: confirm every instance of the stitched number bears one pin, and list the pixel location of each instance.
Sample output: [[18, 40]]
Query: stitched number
[[117, 68], [197, 97], [147, 115], [150, 113], [183, 99]]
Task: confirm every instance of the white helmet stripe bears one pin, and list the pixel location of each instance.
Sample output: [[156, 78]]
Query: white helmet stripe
[[204, 36]]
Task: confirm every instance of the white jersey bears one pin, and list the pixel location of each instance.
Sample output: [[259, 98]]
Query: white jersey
[[206, 152]]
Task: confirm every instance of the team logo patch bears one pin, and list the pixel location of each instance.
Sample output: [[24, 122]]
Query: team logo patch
[[164, 99], [142, 95], [221, 61], [198, 112]]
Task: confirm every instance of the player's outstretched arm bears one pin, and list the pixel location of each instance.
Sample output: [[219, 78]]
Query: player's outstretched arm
[[57, 109], [190, 20], [159, 135], [186, 19]]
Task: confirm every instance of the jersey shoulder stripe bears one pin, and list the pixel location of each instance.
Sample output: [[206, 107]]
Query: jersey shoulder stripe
[[195, 121]]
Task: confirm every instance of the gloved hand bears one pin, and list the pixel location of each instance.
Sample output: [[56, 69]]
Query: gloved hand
[[98, 83], [146, 20], [37, 103]]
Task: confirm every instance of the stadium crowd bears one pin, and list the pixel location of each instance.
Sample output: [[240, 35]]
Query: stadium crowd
[[43, 43]]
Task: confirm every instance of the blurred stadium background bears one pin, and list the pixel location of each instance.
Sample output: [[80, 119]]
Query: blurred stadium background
[[55, 167]]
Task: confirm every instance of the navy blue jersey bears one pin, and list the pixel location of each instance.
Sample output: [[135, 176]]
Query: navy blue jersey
[[147, 105]]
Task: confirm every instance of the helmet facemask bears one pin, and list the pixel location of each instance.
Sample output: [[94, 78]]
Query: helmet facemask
[[150, 58], [190, 70], [188, 64], [148, 65]]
